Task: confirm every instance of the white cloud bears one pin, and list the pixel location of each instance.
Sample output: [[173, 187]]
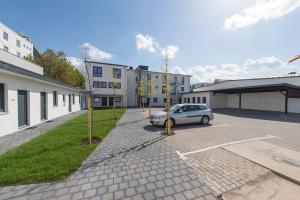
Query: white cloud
[[77, 62], [262, 10], [94, 53], [146, 42], [261, 67], [170, 50]]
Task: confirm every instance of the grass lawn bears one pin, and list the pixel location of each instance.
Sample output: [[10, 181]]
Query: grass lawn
[[56, 154]]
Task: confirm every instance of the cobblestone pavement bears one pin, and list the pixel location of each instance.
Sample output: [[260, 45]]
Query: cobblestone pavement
[[222, 170], [132, 162], [13, 140]]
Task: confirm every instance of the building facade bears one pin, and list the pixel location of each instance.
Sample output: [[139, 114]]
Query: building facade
[[28, 98], [146, 87], [107, 81], [280, 94], [14, 42]]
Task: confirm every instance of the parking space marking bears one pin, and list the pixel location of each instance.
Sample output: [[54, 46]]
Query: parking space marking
[[219, 125], [182, 155]]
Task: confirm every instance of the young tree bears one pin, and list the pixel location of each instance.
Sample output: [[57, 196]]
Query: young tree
[[167, 94], [85, 58]]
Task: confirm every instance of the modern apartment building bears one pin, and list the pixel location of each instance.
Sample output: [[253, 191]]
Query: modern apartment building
[[107, 80], [14, 42], [132, 86], [146, 87]]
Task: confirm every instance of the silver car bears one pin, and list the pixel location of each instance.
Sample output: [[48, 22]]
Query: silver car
[[184, 114]]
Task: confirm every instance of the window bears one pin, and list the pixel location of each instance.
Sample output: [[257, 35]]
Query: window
[[64, 99], [99, 84], [156, 87], [188, 99], [5, 48], [198, 99], [97, 71], [5, 36], [156, 77], [148, 76], [194, 99], [104, 101], [184, 100], [116, 73], [155, 100], [54, 98], [165, 100], [73, 97], [18, 43], [182, 80], [96, 99], [2, 98], [18, 54], [182, 89], [203, 99], [79, 99], [116, 85]]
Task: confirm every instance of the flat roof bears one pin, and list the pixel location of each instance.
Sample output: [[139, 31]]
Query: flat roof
[[23, 72], [90, 61]]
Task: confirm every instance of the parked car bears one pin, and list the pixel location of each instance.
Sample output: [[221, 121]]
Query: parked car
[[184, 114]]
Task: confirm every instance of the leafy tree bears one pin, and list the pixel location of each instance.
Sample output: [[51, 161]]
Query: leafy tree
[[57, 66]]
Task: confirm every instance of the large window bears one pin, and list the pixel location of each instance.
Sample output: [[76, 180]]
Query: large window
[[182, 80], [99, 84], [5, 36], [97, 71], [2, 98], [5, 48], [18, 43], [116, 73], [116, 85], [198, 99], [203, 99], [54, 98]]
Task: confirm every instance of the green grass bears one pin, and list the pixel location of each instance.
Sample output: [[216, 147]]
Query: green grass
[[56, 154]]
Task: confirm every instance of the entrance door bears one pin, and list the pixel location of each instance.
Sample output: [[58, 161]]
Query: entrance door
[[22, 108], [70, 103], [43, 106], [104, 101], [111, 101]]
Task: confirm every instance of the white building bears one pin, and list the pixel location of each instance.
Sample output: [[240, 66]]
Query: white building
[[150, 80], [14, 42], [281, 94], [103, 76], [28, 98]]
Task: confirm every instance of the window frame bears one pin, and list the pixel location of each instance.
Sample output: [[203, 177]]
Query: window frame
[[99, 84], [118, 85], [3, 102], [55, 98], [5, 34], [5, 48], [96, 72], [117, 75]]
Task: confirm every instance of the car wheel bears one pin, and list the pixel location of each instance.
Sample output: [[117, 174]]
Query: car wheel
[[205, 120], [172, 123]]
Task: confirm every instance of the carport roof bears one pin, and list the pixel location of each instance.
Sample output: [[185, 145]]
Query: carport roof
[[292, 90]]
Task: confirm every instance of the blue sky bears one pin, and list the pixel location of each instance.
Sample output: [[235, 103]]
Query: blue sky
[[208, 38]]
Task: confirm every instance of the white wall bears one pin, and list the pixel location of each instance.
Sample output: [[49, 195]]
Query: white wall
[[233, 101], [26, 47], [9, 119], [294, 105], [20, 62], [107, 76]]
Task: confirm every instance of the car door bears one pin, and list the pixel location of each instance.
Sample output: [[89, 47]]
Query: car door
[[180, 115], [193, 114]]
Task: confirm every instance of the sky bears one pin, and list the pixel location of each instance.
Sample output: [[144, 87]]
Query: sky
[[208, 39]]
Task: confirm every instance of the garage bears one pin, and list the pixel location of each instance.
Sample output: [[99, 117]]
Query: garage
[[278, 94]]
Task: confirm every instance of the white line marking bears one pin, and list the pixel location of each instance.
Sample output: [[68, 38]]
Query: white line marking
[[180, 155], [225, 144], [219, 125]]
